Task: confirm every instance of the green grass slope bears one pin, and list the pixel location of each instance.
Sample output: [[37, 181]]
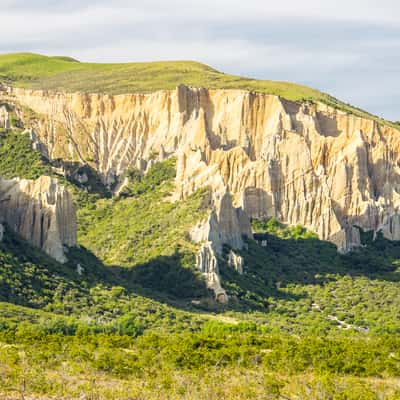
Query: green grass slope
[[100, 299], [147, 234], [134, 229], [65, 74], [37, 71]]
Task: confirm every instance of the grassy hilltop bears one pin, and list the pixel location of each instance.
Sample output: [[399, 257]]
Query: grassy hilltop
[[37, 71], [61, 73]]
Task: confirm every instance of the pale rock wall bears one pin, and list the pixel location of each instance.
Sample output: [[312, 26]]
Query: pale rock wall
[[390, 227], [302, 163], [5, 120], [1, 232], [207, 264], [347, 239], [236, 262], [224, 225], [41, 211]]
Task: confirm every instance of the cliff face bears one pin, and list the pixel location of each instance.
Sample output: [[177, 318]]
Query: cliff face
[[225, 224], [5, 120], [207, 264], [40, 211], [303, 163]]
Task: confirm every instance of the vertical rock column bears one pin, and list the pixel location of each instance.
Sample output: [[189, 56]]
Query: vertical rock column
[[41, 211], [225, 225]]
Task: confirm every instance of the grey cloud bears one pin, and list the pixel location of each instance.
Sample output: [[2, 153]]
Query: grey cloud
[[48, 6], [372, 10]]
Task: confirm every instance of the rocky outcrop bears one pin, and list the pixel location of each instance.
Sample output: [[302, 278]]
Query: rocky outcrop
[[36, 144], [1, 232], [390, 227], [207, 264], [41, 211], [302, 163], [5, 120], [225, 225], [347, 239], [235, 261]]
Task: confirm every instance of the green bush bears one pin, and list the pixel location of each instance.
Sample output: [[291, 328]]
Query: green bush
[[18, 159]]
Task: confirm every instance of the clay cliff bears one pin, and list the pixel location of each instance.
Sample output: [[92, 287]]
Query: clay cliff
[[303, 163], [5, 120], [41, 211], [225, 225]]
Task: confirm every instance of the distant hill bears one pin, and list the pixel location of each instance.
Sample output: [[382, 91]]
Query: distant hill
[[60, 73]]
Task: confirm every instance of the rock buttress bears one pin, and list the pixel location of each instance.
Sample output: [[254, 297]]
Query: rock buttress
[[41, 211]]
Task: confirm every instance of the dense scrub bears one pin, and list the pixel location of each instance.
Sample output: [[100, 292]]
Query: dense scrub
[[144, 224], [303, 322], [218, 361], [18, 159], [304, 284]]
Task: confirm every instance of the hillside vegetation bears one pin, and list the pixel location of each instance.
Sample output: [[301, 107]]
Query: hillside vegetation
[[305, 285], [143, 224], [17, 159], [103, 336], [66, 74], [137, 322]]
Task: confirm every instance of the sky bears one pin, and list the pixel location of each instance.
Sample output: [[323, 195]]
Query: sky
[[348, 48]]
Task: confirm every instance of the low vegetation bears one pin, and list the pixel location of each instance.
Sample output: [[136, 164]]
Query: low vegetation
[[18, 159], [143, 224], [217, 361], [137, 323]]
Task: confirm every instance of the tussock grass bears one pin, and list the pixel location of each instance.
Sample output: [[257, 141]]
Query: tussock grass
[[37, 71]]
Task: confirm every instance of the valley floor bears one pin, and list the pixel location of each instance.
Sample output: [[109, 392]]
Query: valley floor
[[229, 385]]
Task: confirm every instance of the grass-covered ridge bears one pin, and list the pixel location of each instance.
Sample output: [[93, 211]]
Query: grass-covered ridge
[[55, 73], [37, 71]]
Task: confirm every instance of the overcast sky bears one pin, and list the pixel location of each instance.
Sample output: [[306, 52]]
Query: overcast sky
[[349, 48]]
